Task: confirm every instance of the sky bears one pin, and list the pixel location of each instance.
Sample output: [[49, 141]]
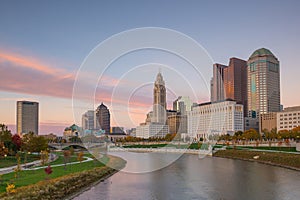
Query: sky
[[43, 45]]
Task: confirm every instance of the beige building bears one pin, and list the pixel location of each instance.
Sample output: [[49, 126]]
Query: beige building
[[27, 117], [268, 121], [288, 119], [177, 123], [263, 83]]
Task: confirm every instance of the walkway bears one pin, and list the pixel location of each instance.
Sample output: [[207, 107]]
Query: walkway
[[58, 165], [6, 170]]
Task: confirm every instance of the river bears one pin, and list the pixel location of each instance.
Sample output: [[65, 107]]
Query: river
[[192, 178]]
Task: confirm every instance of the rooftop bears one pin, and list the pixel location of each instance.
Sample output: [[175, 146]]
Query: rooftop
[[261, 52]]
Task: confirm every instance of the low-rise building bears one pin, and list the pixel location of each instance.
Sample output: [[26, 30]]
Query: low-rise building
[[147, 130], [267, 121], [177, 123], [288, 119], [218, 118]]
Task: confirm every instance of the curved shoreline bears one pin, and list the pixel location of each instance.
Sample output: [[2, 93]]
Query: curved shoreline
[[89, 186], [67, 186]]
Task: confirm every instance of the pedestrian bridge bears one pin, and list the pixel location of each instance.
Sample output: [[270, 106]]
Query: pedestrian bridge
[[60, 146]]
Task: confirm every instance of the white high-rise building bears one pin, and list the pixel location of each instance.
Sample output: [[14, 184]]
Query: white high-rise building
[[159, 100], [27, 117], [215, 119], [155, 125]]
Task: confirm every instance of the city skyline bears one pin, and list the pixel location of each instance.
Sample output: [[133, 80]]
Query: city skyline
[[40, 69]]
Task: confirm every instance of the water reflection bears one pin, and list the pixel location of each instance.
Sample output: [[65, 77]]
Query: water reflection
[[208, 178]]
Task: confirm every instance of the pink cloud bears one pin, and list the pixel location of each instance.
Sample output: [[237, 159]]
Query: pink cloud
[[27, 62], [20, 74]]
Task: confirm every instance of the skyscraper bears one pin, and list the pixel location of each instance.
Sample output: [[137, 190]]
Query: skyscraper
[[235, 81], [155, 125], [103, 117], [217, 83], [263, 83], [230, 82], [159, 100], [27, 117], [89, 120], [182, 104]]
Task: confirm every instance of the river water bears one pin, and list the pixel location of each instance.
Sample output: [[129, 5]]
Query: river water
[[192, 178]]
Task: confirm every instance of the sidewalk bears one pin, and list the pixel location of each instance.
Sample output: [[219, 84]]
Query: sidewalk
[[6, 170]]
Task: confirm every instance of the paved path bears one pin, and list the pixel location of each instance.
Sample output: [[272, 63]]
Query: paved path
[[58, 165], [5, 170]]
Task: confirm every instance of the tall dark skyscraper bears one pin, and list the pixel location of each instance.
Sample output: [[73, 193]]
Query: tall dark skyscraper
[[217, 83], [103, 117], [27, 117], [159, 100], [263, 83], [235, 81], [230, 82]]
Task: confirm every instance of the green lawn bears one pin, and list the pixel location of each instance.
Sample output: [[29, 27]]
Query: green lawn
[[286, 159], [61, 159], [182, 146], [287, 149], [31, 177], [12, 160]]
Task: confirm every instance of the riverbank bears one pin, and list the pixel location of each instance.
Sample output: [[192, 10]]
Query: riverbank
[[68, 185], [286, 160]]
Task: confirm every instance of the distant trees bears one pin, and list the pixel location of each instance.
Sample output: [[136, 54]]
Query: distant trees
[[267, 135], [3, 150], [34, 143], [12, 143]]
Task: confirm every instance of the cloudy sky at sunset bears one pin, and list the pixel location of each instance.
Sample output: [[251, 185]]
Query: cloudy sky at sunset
[[43, 44]]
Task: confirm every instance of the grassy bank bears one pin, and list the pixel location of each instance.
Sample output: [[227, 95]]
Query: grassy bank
[[62, 183], [272, 148], [279, 159], [12, 160], [178, 146]]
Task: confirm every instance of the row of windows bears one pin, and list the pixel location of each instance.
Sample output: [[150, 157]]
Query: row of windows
[[288, 126], [290, 114], [289, 118], [290, 122], [273, 67]]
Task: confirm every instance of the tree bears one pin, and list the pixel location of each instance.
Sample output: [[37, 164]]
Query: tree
[[17, 141], [80, 157], [72, 150], [34, 143], [3, 150], [48, 171], [67, 155], [284, 134], [251, 134], [5, 136], [44, 157], [266, 134]]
